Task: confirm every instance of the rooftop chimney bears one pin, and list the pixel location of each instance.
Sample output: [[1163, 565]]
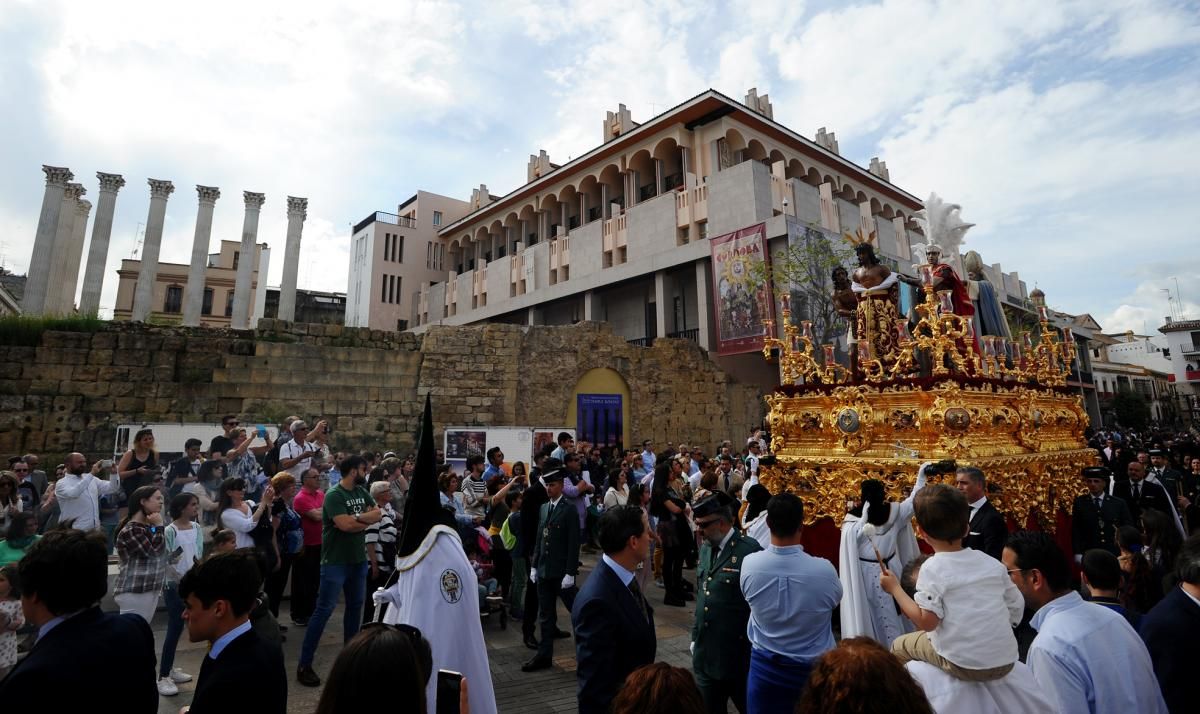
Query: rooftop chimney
[[879, 168], [762, 104], [827, 139], [617, 123], [539, 165]]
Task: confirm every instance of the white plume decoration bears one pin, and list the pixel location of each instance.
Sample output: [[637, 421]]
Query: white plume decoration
[[944, 227]]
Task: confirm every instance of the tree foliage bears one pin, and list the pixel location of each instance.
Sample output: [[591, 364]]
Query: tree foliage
[[1131, 408], [803, 272]]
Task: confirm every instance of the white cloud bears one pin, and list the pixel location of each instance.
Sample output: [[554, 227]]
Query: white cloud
[[1065, 129]]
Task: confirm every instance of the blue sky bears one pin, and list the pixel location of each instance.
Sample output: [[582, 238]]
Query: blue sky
[[1068, 131]]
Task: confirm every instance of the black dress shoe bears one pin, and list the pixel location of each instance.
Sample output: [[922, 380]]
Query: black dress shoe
[[561, 635], [531, 642], [537, 663], [307, 677]]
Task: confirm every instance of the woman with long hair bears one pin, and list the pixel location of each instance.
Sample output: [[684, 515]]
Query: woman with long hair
[[674, 532], [1142, 590], [859, 676], [10, 500], [141, 549], [184, 548], [875, 530], [755, 516], [138, 465], [1162, 546], [618, 493], [239, 515], [21, 534], [289, 537], [382, 668]]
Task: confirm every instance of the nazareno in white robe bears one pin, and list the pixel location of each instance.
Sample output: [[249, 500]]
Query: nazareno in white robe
[[437, 592], [867, 610]]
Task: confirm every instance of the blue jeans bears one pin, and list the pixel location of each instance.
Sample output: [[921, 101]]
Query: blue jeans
[[775, 682], [174, 628], [335, 579]]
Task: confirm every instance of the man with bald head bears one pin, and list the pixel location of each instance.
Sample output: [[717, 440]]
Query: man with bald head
[[79, 491], [1141, 494]]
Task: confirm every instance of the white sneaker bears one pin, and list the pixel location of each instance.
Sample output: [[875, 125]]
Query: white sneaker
[[167, 688], [178, 676]]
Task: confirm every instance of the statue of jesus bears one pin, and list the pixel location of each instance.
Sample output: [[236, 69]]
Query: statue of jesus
[[878, 296]]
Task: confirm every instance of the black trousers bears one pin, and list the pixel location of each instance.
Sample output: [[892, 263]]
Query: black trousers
[[277, 581], [716, 692], [306, 577], [673, 570], [548, 595]]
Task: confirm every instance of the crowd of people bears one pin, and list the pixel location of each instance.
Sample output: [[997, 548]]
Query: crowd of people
[[982, 620]]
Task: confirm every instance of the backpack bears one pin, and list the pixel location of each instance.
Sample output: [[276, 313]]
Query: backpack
[[263, 536]]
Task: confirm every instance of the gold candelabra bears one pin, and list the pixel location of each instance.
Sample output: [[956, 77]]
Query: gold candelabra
[[947, 341]]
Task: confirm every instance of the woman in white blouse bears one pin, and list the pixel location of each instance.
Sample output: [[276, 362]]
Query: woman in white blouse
[[239, 515], [618, 493]]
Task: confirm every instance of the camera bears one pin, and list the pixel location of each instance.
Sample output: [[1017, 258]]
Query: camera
[[941, 468]]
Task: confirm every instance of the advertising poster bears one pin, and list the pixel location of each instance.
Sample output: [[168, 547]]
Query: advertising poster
[[461, 443], [547, 435], [599, 419], [742, 296]]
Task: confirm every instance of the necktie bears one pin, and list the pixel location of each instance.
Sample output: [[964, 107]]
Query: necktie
[[1137, 491], [637, 595], [1098, 503]]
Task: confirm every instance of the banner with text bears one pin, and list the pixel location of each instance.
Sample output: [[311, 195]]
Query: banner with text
[[742, 296]]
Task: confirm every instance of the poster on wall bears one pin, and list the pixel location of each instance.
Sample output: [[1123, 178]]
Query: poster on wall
[[543, 435], [742, 295], [599, 419], [461, 443]]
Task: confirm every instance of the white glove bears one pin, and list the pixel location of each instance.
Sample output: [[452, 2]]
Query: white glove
[[568, 582], [692, 648], [533, 576]]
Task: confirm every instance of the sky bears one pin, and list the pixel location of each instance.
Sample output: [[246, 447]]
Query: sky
[[1068, 131]]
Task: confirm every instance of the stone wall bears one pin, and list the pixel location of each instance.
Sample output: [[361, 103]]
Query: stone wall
[[71, 391]]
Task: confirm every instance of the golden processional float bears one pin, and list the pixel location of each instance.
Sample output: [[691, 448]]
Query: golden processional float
[[1000, 405]]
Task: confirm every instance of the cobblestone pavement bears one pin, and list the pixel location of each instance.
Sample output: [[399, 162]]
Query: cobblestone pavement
[[551, 690]]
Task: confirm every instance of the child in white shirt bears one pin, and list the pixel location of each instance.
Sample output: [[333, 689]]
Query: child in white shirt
[[966, 605]]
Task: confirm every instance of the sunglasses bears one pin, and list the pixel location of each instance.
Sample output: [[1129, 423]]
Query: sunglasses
[[231, 423]]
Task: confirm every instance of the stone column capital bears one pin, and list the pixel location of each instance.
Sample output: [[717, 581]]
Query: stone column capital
[[110, 182], [208, 194], [254, 200], [297, 207], [74, 191], [83, 207], [57, 175], [160, 189]]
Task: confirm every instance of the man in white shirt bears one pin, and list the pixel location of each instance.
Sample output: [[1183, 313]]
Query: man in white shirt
[[295, 456], [78, 493]]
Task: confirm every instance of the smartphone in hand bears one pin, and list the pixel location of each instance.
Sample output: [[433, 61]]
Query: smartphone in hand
[[262, 431], [449, 688]]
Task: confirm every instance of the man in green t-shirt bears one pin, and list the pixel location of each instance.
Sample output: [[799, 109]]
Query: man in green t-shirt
[[345, 516]]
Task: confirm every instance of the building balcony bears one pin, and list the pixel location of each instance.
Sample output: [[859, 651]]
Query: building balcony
[[1191, 375], [560, 258], [691, 206], [384, 217]]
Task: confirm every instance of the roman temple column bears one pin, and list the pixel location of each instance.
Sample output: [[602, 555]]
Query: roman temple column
[[93, 276], [143, 292], [67, 212], [297, 211], [73, 263], [38, 273], [241, 285], [193, 294]]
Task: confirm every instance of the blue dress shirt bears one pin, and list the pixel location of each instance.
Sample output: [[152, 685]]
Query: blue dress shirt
[[225, 639], [1089, 659], [617, 568], [791, 595]]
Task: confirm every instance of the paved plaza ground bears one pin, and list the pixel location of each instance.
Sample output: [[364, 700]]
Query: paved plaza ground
[[551, 690]]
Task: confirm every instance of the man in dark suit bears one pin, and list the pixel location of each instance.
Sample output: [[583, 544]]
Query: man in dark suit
[[614, 624], [1140, 494], [241, 672], [720, 647], [531, 506], [1160, 470], [80, 652], [1096, 516], [555, 563], [987, 531], [1171, 630]]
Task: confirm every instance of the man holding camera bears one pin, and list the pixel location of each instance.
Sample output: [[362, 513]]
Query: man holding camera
[[79, 491]]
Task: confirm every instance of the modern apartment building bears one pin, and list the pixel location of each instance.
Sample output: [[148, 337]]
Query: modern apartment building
[[392, 254], [1183, 340], [171, 282]]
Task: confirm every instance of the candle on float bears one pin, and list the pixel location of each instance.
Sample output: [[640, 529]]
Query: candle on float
[[970, 321], [989, 346], [927, 275], [806, 330], [1027, 339], [1043, 313], [864, 351], [828, 350], [902, 332], [945, 302]]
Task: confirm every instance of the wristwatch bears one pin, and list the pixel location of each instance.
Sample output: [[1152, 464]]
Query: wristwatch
[[357, 518]]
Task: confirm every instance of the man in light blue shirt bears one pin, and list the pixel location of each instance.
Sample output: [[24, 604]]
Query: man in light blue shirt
[[792, 596], [1085, 656], [648, 457]]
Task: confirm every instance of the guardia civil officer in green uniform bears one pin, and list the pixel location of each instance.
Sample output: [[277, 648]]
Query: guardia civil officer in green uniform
[[720, 649], [555, 562]]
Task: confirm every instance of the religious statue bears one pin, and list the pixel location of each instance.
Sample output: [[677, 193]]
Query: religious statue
[[876, 312], [845, 304], [989, 315]]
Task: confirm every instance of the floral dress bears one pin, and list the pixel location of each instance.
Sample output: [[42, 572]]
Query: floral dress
[[11, 609]]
